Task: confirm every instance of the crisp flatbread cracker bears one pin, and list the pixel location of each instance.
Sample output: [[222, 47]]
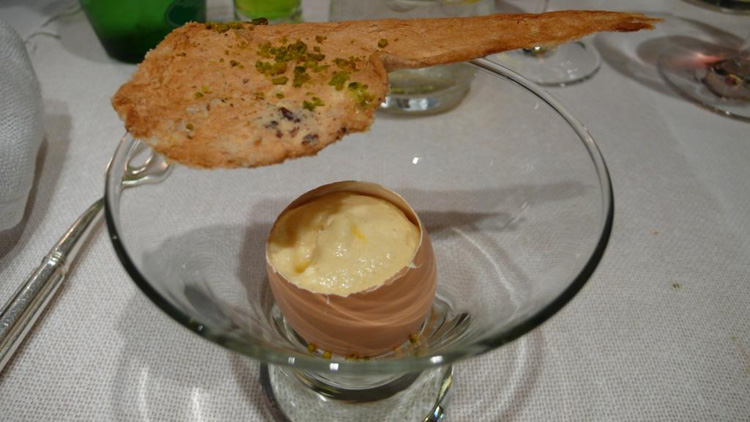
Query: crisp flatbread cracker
[[245, 95]]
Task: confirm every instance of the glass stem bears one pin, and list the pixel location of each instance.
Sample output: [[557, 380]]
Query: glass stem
[[745, 48], [539, 50]]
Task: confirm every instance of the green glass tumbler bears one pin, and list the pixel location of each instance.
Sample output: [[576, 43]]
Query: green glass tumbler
[[276, 11], [128, 29]]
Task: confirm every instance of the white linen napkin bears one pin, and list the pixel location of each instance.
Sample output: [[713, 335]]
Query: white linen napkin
[[21, 128]]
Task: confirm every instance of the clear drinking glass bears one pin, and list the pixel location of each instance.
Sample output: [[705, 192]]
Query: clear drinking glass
[[276, 11], [129, 29], [557, 66], [734, 6], [418, 91], [510, 187]]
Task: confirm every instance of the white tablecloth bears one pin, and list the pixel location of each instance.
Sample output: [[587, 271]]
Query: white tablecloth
[[661, 332]]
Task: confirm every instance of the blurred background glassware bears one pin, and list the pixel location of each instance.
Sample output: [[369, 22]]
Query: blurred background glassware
[[418, 91], [551, 66], [519, 214], [276, 11], [734, 6], [716, 77], [128, 29]]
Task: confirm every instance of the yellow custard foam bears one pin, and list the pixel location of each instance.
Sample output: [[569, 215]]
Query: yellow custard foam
[[342, 243]]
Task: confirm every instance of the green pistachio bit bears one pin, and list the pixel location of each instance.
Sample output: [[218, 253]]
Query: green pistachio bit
[[298, 48], [263, 67], [281, 80], [259, 21], [343, 64], [383, 43], [279, 95], [260, 96], [221, 27], [349, 64], [300, 78], [316, 49], [316, 57], [234, 63], [364, 98], [189, 126], [198, 94], [206, 89], [320, 39], [278, 68], [310, 105], [338, 80], [264, 50]]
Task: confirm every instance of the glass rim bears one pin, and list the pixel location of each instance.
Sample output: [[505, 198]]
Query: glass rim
[[396, 365]]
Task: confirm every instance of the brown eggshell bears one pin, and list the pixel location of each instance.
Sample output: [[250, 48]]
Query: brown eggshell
[[366, 323]]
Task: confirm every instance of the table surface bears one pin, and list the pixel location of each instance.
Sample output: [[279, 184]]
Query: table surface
[[661, 332]]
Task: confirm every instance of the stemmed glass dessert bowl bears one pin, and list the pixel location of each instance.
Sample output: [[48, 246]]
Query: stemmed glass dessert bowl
[[511, 188]]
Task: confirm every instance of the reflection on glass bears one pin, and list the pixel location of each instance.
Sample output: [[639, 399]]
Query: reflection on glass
[[714, 77]]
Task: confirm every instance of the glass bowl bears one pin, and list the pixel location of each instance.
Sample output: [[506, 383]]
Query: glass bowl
[[511, 188]]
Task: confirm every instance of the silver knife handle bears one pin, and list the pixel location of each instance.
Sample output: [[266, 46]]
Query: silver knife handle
[[21, 312]]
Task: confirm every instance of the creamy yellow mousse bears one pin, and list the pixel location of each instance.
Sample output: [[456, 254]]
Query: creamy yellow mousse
[[342, 243]]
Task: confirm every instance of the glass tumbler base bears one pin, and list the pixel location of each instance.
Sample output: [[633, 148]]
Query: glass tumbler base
[[564, 65], [429, 90], [292, 395]]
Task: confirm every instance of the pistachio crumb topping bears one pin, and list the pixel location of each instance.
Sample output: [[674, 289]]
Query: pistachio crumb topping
[[383, 43], [350, 64], [314, 102], [300, 76], [222, 27], [361, 93], [338, 79]]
